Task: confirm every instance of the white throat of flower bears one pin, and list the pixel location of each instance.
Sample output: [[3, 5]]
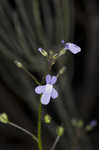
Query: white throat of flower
[[48, 88]]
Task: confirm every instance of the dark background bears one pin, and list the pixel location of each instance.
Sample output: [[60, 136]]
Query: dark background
[[22, 31]]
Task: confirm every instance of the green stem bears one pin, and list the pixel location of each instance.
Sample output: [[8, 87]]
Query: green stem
[[55, 143], [24, 130], [31, 75], [39, 127]]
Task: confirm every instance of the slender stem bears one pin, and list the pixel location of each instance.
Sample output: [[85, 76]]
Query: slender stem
[[24, 130], [39, 127], [55, 143], [31, 75]]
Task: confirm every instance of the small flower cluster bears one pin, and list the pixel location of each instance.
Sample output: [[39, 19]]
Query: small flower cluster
[[80, 124], [47, 90]]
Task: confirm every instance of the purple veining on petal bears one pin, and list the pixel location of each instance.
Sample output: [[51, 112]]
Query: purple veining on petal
[[45, 99], [48, 79], [72, 47], [54, 93], [53, 80], [40, 89]]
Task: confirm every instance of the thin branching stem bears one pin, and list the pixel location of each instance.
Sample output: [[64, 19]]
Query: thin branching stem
[[24, 130], [55, 143], [31, 76]]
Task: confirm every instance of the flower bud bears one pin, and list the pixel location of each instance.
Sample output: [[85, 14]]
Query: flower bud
[[4, 118], [92, 124], [55, 56], [61, 71], [43, 52], [47, 119], [18, 64], [77, 123], [80, 124], [88, 128], [62, 41], [51, 52], [74, 122], [62, 52], [60, 130]]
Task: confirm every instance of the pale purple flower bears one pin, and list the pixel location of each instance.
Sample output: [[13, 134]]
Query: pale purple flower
[[47, 90], [93, 123], [71, 47]]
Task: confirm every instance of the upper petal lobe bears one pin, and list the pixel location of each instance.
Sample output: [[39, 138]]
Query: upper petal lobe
[[48, 79], [53, 80]]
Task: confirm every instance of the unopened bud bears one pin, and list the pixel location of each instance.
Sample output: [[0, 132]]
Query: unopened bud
[[74, 122], [42, 51], [18, 64], [60, 131], [47, 119], [92, 124], [51, 52], [77, 123], [55, 56], [4, 118], [88, 128], [62, 41], [62, 52], [80, 124], [61, 71]]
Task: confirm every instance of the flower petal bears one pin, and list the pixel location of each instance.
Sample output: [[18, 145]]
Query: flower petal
[[73, 48], [54, 93], [48, 79], [40, 89], [45, 99], [53, 80]]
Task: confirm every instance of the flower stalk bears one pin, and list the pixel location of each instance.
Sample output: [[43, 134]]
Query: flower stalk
[[24, 130], [20, 65], [39, 127], [55, 143]]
